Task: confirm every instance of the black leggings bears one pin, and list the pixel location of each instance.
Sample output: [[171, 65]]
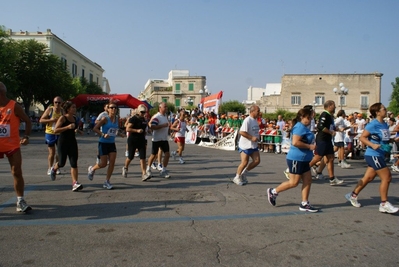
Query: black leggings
[[68, 151]]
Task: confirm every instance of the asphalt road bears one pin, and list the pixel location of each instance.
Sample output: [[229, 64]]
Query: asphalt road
[[196, 218]]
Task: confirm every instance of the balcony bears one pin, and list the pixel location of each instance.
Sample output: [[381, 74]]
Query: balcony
[[177, 92], [364, 106]]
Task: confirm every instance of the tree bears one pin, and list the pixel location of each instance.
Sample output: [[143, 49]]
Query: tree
[[8, 57], [155, 108], [393, 104], [232, 106]]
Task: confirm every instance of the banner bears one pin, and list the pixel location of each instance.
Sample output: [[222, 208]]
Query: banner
[[191, 135], [211, 103]]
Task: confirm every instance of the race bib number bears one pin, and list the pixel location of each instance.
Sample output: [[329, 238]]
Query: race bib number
[[5, 130], [112, 131], [385, 134]]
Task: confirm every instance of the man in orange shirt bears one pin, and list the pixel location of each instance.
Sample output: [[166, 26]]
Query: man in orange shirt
[[10, 115]]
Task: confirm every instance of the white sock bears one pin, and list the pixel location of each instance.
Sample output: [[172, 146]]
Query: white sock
[[19, 199], [274, 192], [304, 203]]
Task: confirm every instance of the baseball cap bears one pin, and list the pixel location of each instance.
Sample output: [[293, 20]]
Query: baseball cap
[[142, 108]]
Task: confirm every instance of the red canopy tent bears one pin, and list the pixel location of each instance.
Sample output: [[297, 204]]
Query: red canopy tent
[[212, 102], [123, 100]]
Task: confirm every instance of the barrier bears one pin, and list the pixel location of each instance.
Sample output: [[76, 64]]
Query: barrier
[[226, 143]]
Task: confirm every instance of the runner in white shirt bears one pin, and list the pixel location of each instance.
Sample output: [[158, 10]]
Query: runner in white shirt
[[248, 146]]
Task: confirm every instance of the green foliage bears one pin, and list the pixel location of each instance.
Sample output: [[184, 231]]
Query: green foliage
[[393, 104], [287, 115], [232, 106], [8, 57]]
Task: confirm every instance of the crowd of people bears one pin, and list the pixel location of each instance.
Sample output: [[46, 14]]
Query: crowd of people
[[313, 144]]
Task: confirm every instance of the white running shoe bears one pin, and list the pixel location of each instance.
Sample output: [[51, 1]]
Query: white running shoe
[[352, 200], [388, 208], [77, 186], [394, 168], [238, 180], [345, 165], [126, 153], [137, 154], [146, 176], [165, 174], [124, 172], [336, 181], [159, 167], [49, 171], [153, 166], [181, 161], [90, 173], [287, 173], [174, 155], [22, 206]]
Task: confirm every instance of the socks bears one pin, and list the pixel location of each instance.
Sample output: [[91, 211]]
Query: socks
[[304, 203], [274, 192], [19, 199]]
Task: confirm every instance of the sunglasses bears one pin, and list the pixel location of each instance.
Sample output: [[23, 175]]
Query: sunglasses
[[57, 102], [142, 112], [113, 107]]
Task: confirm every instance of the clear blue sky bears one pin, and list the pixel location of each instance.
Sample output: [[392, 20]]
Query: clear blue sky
[[235, 44]]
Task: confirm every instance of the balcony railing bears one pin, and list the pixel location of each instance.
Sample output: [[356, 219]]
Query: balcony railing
[[364, 106]]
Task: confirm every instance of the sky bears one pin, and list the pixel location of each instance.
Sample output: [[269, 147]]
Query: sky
[[235, 44]]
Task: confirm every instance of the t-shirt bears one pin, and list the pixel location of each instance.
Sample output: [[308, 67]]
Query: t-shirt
[[159, 134], [379, 134], [251, 126], [138, 123], [325, 121], [340, 125], [307, 137]]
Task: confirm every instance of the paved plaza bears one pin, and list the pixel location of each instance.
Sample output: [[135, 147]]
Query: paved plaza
[[195, 218]]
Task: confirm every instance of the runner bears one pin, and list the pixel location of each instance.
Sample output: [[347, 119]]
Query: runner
[[298, 158], [248, 146], [66, 127], [376, 137], [107, 128], [50, 118], [11, 114], [180, 128]]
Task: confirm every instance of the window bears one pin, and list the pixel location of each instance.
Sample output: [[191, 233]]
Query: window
[[342, 100], [295, 100], [91, 77], [74, 70], [319, 100], [177, 102], [364, 102], [165, 99], [191, 87], [83, 72], [177, 87], [64, 62]]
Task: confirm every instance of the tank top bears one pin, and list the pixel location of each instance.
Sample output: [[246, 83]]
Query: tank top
[[50, 126], [67, 137], [110, 128], [9, 128]]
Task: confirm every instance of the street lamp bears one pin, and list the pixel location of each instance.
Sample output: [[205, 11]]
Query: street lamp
[[205, 91], [341, 92], [189, 101]]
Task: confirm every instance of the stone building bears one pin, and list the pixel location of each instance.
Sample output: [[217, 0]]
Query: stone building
[[358, 92], [180, 89]]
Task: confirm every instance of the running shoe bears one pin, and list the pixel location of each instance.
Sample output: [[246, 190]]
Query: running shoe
[[107, 185], [90, 173], [77, 186], [165, 174], [244, 178], [146, 176], [124, 172], [352, 200], [137, 154], [345, 165], [181, 161], [336, 181], [319, 176], [97, 160], [238, 180], [52, 174], [22, 206], [394, 168], [174, 155], [388, 208], [149, 174], [271, 197], [159, 167], [58, 171], [126, 153], [49, 171], [308, 208], [287, 173], [153, 166]]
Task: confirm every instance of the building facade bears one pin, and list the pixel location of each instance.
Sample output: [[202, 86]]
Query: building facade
[[180, 89], [75, 62], [298, 90]]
